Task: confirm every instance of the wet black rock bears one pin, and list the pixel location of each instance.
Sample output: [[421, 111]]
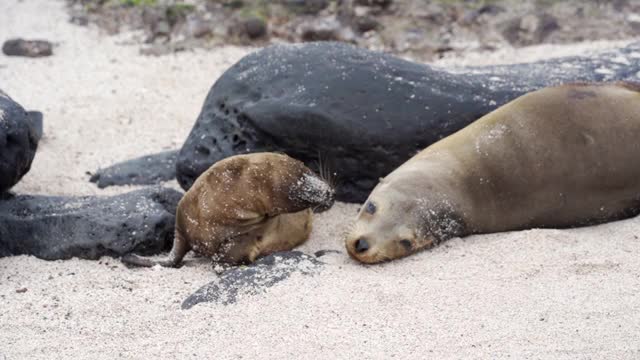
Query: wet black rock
[[365, 23], [157, 27], [79, 19], [255, 27], [253, 279], [20, 132], [249, 28], [145, 170], [380, 3], [490, 9], [325, 29], [530, 29], [59, 227], [364, 111], [197, 27], [309, 7], [28, 48]]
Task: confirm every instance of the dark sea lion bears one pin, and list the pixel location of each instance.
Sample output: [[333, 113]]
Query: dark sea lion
[[246, 206], [558, 157]]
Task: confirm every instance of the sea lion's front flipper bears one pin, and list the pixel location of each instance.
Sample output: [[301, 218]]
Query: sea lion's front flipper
[[241, 249], [248, 217], [277, 233]]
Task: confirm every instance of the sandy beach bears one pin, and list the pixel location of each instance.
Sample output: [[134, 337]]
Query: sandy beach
[[536, 294]]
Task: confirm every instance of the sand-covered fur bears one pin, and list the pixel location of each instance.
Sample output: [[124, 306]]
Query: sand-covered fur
[[244, 207]]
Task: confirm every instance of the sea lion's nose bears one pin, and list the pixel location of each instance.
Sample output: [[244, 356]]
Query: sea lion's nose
[[362, 245]]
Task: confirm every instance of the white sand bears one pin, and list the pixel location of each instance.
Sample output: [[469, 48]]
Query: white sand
[[569, 294]]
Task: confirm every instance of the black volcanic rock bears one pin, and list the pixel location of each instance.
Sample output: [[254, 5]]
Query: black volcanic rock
[[255, 27], [27, 48], [309, 7], [58, 227], [253, 279], [366, 112], [20, 132], [146, 170]]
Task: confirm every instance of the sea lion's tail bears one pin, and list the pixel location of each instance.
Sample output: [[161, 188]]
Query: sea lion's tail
[[178, 251]]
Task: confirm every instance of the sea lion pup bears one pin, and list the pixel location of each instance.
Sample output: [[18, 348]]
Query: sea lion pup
[[243, 207], [558, 157]]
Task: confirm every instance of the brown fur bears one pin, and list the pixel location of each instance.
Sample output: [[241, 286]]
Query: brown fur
[[244, 207], [558, 157]]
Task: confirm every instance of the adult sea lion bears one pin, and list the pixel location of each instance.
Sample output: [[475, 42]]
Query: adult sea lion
[[246, 206], [558, 157]]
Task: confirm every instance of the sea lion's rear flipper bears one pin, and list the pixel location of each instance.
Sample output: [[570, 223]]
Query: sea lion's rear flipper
[[135, 260], [178, 251], [278, 233]]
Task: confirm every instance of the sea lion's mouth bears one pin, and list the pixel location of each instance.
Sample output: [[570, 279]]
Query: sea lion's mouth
[[324, 206]]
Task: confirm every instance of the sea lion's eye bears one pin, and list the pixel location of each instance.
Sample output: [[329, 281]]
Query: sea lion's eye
[[370, 208], [406, 244]]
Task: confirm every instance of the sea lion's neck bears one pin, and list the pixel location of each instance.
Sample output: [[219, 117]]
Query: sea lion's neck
[[434, 172], [437, 183], [478, 196]]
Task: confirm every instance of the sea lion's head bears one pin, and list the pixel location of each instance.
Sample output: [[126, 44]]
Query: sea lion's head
[[395, 222], [269, 184], [309, 190]]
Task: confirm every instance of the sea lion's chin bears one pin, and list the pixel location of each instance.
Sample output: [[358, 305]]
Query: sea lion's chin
[[361, 251], [376, 256], [326, 203], [370, 258], [370, 251]]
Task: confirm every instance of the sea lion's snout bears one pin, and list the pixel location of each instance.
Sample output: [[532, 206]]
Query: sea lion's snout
[[361, 245], [329, 198], [310, 190], [364, 249], [369, 250]]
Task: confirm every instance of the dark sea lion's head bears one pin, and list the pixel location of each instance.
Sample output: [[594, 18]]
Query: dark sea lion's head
[[309, 190], [395, 222], [270, 184]]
